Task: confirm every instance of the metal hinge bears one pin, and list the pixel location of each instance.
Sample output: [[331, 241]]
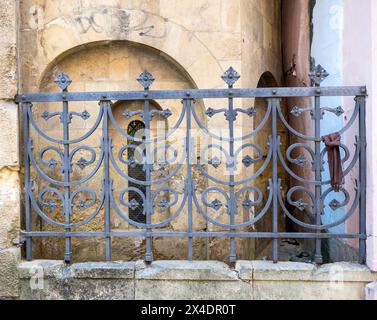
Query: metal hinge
[[20, 240]]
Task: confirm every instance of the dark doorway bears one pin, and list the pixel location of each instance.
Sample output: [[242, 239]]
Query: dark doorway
[[136, 171]]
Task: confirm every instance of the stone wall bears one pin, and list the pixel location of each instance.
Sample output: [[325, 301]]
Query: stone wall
[[9, 151], [201, 280]]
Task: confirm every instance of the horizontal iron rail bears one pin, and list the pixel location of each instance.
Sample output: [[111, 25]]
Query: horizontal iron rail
[[218, 234], [193, 94]]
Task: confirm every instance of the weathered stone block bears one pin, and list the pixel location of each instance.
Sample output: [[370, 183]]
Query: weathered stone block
[[300, 281], [344, 271], [48, 268], [103, 270], [8, 71], [51, 279], [192, 290], [307, 290], [9, 136], [9, 207], [185, 270], [48, 279], [9, 281], [267, 270], [189, 280], [8, 21]]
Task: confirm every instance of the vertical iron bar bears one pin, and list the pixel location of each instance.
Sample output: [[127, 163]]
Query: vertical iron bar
[[275, 179], [148, 167], [360, 101], [187, 105], [232, 197], [318, 174], [65, 119], [27, 141], [105, 105]]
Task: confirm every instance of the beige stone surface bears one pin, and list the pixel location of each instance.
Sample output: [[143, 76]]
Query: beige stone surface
[[299, 290], [189, 280], [249, 280], [192, 290], [51, 268], [9, 280], [8, 51], [9, 135], [297, 271], [300, 281], [185, 270], [49, 279], [9, 207], [267, 270]]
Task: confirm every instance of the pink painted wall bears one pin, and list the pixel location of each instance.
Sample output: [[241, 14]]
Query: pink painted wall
[[360, 67]]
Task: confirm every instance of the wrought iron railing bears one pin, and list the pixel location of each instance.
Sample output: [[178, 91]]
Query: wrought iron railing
[[45, 193]]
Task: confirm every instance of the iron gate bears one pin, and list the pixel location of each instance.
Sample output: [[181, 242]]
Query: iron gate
[[63, 195]]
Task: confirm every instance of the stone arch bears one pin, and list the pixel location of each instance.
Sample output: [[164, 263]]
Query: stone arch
[[114, 66], [172, 40], [109, 66], [267, 80], [115, 48]]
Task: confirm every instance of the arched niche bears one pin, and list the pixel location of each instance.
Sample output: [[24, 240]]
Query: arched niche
[[108, 66], [159, 126]]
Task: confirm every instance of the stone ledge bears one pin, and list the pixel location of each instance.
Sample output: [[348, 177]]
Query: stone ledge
[[344, 271], [185, 280], [295, 271], [201, 270], [194, 280], [50, 268], [185, 270], [267, 270], [104, 270], [87, 270]]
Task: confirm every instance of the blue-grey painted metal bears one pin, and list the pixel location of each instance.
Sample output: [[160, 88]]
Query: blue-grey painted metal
[[62, 195], [275, 177], [317, 76]]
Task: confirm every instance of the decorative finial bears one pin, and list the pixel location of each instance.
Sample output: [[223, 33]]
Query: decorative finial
[[63, 81], [318, 74], [231, 76], [146, 79]]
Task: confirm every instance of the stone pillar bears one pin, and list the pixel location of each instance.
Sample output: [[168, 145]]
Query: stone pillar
[[9, 152]]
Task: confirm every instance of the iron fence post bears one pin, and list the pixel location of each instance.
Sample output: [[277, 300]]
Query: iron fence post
[[26, 106], [275, 178], [106, 147], [362, 177]]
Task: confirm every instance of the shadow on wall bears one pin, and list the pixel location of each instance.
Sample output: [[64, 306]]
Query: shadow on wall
[[267, 80]]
